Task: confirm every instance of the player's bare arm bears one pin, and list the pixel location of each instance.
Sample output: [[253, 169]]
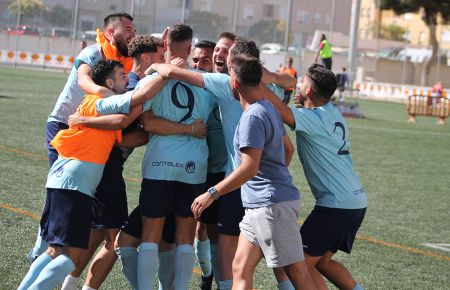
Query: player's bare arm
[[160, 126], [247, 169]]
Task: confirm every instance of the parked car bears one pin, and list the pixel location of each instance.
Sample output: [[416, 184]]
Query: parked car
[[20, 30]]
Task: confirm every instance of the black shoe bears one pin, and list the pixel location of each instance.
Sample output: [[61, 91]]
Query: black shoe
[[206, 282]]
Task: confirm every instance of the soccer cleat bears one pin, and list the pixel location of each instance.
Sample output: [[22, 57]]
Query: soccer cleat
[[31, 257], [206, 282]]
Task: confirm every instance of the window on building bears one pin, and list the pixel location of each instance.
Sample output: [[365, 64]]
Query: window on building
[[86, 25], [302, 17], [249, 11], [421, 37], [317, 18], [268, 10]]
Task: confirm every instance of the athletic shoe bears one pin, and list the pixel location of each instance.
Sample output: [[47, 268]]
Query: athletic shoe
[[206, 282]]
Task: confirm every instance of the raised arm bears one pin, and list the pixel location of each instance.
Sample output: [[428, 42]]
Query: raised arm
[[181, 74], [285, 111], [160, 126], [283, 80], [87, 84], [106, 122]]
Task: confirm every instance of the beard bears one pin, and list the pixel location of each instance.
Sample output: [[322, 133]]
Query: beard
[[122, 47], [235, 94]]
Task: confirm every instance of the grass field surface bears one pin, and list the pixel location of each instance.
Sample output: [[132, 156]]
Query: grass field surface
[[404, 168]]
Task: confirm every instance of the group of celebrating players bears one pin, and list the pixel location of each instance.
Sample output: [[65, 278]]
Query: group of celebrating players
[[216, 183]]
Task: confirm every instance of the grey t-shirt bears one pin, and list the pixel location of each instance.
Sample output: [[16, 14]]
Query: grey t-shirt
[[261, 127]]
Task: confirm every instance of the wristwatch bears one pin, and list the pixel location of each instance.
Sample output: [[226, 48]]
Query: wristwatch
[[213, 193]]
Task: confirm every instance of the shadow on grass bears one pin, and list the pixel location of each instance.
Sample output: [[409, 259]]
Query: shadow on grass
[[6, 97]]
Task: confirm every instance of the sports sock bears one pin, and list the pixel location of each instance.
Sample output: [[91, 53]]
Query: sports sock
[[147, 265], [70, 283], [54, 273], [226, 284], [358, 287], [215, 264], [203, 255], [285, 285], [184, 264], [87, 288], [129, 259], [40, 245], [166, 269], [34, 271]]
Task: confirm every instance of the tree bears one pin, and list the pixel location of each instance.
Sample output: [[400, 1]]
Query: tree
[[28, 9], [393, 32], [268, 31], [431, 10], [206, 25], [59, 16]]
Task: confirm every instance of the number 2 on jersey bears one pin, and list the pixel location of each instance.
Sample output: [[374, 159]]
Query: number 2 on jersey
[[190, 100], [341, 151]]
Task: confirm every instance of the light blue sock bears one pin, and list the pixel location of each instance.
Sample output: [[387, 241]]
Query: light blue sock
[[34, 271], [147, 265], [40, 246], [358, 287], [53, 273], [215, 263], [226, 285], [128, 257], [203, 255], [166, 269], [286, 285], [184, 264]]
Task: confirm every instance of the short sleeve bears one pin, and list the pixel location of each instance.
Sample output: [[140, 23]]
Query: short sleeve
[[278, 91], [304, 119], [90, 56], [251, 133], [114, 104], [218, 84]]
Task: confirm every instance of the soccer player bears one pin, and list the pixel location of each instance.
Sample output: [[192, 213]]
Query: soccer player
[[206, 233], [231, 210], [263, 151], [75, 175], [174, 169], [324, 150], [110, 203], [291, 71], [112, 44]]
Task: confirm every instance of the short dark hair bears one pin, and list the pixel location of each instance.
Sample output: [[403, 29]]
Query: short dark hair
[[247, 68], [245, 46], [205, 44], [144, 43], [103, 70], [115, 17], [230, 35], [324, 81], [180, 32]]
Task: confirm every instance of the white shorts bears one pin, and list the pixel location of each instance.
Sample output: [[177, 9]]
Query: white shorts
[[276, 231]]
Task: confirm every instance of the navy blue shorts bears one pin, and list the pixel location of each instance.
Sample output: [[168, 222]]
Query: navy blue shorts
[[330, 229], [109, 206], [161, 198], [210, 216], [231, 213], [133, 226], [66, 218], [51, 129]]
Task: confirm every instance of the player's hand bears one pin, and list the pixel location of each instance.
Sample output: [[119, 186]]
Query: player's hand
[[165, 33], [298, 101], [179, 62], [200, 204], [74, 119], [199, 129]]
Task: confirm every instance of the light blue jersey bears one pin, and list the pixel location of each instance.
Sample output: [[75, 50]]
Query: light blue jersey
[[80, 175], [230, 110], [323, 147], [261, 127], [218, 156], [75, 175], [72, 95], [175, 157]]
